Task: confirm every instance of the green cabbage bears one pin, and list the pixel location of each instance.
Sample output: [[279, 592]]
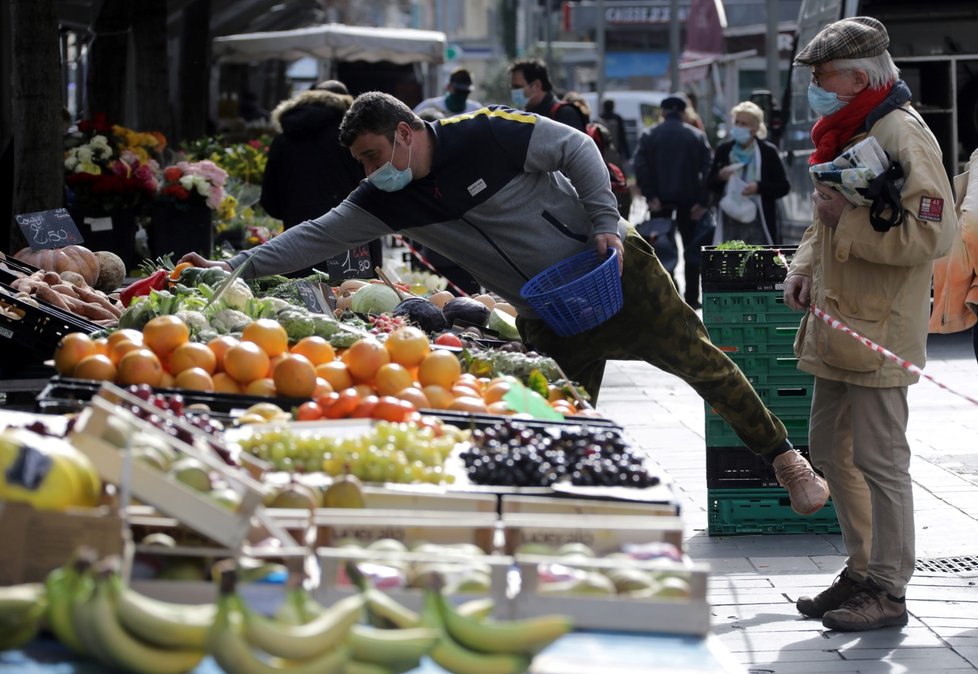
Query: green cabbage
[[374, 298]]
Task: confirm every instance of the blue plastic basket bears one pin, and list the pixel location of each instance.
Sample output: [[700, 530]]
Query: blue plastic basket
[[576, 294]]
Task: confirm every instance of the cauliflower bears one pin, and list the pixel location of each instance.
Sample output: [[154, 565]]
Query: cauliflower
[[237, 296], [207, 335], [297, 322], [195, 320], [272, 305], [229, 320]]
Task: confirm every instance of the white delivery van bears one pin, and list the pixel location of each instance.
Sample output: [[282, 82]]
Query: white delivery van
[[639, 109]]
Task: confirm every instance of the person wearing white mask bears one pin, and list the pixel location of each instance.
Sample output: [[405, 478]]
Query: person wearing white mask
[[755, 161], [870, 268]]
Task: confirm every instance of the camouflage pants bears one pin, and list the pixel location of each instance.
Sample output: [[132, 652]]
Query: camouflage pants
[[657, 326]]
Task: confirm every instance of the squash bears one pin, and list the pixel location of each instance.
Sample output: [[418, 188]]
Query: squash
[[69, 258], [111, 271]]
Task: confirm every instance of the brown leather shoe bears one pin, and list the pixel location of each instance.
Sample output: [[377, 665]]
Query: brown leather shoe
[[871, 608], [842, 589], [807, 490]]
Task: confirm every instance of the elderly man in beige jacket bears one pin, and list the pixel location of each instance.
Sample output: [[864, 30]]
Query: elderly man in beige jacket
[[869, 267]]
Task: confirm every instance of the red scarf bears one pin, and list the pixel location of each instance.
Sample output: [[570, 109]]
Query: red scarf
[[830, 134]]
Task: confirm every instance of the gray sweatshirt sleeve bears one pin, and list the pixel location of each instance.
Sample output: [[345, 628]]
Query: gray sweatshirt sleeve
[[558, 147], [312, 241]]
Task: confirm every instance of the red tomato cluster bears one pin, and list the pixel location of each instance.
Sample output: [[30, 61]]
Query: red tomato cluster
[[350, 404]]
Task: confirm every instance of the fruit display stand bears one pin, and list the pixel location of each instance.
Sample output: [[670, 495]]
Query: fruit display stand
[[513, 504], [685, 612]]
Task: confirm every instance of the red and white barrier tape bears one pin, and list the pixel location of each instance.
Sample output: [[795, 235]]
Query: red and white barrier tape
[[423, 260], [836, 324]]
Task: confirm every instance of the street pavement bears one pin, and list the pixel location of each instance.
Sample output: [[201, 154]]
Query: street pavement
[[755, 579]]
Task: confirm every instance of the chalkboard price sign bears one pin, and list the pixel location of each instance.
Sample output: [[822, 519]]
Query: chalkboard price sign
[[49, 229], [354, 263], [316, 297]]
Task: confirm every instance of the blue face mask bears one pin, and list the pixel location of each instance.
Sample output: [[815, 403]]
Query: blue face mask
[[824, 102], [519, 98], [741, 134], [390, 179]]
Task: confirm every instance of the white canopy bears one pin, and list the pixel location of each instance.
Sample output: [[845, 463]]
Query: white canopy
[[335, 42]]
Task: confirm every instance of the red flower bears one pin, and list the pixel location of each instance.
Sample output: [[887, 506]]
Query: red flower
[[172, 174]]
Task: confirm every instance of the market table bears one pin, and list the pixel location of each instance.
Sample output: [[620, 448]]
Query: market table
[[577, 653]]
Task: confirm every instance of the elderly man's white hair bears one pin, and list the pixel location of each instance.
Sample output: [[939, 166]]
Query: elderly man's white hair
[[881, 69]]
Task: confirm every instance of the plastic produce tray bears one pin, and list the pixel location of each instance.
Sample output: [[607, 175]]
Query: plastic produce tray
[[754, 338], [748, 307], [739, 270], [763, 511], [740, 468], [467, 420], [720, 434], [41, 327]]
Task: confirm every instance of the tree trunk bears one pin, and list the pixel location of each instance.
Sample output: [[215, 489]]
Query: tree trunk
[[195, 70], [107, 61], [38, 153], [153, 112]]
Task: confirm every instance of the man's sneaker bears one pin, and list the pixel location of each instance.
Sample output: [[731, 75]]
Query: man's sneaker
[[842, 589], [871, 608], [808, 491]]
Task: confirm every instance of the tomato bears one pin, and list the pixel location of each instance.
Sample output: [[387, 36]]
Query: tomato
[[309, 411], [393, 409], [366, 407], [448, 339], [347, 401]]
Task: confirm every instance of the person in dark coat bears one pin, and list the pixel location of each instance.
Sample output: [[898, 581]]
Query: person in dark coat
[[532, 91], [308, 171], [615, 124], [758, 163]]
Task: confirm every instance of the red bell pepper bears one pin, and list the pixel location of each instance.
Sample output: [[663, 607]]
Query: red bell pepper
[[155, 281]]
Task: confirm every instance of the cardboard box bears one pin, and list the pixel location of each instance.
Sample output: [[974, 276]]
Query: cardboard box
[[36, 542]]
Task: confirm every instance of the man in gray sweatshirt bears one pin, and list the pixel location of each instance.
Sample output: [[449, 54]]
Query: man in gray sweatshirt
[[507, 194]]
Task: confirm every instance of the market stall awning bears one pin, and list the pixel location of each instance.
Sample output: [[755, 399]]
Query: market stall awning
[[335, 42]]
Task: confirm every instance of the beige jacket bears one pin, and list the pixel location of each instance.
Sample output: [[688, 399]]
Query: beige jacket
[[956, 276], [878, 283]]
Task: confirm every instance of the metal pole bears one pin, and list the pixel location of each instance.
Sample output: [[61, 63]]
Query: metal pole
[[547, 34], [600, 83], [771, 50], [674, 46]]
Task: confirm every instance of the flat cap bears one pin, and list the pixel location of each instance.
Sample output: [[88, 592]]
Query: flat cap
[[855, 38], [673, 103]]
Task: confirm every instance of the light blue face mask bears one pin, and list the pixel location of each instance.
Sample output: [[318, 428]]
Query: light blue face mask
[[824, 102], [391, 179], [741, 134], [519, 98]]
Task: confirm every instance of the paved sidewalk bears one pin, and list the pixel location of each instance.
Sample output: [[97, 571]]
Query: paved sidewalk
[[756, 579]]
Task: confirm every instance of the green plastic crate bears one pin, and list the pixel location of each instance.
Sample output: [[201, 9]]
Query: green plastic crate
[[748, 307], [754, 338], [764, 511], [720, 434]]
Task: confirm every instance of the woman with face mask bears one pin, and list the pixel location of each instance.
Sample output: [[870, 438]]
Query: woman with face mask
[[758, 177]]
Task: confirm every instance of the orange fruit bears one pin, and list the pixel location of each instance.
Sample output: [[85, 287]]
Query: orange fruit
[[460, 390], [167, 380], [391, 379], [416, 396], [125, 335], [322, 388], [225, 383], [441, 368], [220, 346], [121, 348], [246, 362], [468, 404], [495, 392], [470, 380], [439, 396], [336, 373], [192, 354], [364, 390], [272, 362], [97, 366], [316, 349], [263, 387], [72, 349], [268, 334], [499, 407], [101, 346], [195, 379], [294, 376], [407, 346], [165, 333], [140, 366], [364, 358]]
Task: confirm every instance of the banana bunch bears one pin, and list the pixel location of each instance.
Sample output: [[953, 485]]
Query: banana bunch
[[472, 645], [307, 637], [21, 610], [47, 472]]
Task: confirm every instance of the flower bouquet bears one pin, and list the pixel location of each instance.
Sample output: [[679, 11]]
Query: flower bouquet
[[241, 222], [188, 183]]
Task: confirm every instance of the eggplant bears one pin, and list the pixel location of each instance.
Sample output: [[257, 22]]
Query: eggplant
[[422, 313]]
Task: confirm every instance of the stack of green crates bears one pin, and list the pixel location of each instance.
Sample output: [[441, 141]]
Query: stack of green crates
[[745, 313]]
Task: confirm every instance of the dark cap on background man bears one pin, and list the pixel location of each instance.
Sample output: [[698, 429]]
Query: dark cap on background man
[[855, 38], [460, 80], [673, 103], [335, 86]]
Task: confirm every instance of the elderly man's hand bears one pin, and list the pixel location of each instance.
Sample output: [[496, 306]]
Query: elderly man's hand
[[798, 292], [606, 241], [829, 205], [198, 261]]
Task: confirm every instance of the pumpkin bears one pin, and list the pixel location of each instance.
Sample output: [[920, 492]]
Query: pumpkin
[[69, 258]]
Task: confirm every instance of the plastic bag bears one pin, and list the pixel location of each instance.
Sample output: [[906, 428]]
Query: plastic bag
[[734, 204]]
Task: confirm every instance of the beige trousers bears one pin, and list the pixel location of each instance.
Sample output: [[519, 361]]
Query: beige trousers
[[858, 439]]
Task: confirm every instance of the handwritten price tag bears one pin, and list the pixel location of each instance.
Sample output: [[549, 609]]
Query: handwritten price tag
[[49, 229], [354, 263]]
